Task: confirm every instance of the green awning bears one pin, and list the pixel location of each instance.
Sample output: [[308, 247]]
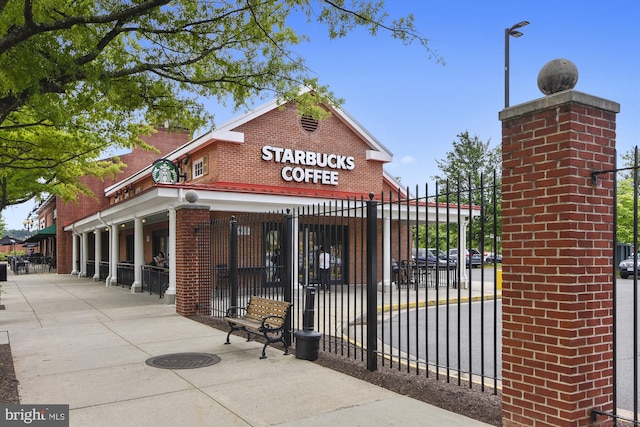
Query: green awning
[[43, 234], [49, 231]]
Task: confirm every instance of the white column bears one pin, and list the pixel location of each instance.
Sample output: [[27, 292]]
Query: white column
[[113, 259], [74, 253], [98, 252], [386, 256], [84, 254], [138, 255], [170, 294]]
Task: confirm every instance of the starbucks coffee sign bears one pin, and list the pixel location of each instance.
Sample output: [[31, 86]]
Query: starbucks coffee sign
[[308, 166], [164, 172]]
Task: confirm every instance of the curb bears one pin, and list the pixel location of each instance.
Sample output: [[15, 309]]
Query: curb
[[430, 303]]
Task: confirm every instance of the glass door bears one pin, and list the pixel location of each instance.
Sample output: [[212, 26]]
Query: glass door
[[311, 238], [273, 262]]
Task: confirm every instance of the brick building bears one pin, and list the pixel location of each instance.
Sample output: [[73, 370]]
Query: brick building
[[267, 160]]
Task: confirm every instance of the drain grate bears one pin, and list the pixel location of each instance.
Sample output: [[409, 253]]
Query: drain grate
[[183, 360]]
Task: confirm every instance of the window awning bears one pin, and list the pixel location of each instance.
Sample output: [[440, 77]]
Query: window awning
[[43, 234]]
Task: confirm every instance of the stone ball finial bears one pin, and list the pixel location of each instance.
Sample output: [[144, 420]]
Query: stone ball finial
[[191, 196], [557, 75]]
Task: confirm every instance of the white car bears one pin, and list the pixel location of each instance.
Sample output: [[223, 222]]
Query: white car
[[475, 259], [490, 258]]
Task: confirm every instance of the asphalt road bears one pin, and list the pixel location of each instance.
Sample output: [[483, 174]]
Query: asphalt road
[[453, 346]]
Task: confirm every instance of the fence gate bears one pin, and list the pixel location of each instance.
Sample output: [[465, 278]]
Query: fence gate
[[625, 260]]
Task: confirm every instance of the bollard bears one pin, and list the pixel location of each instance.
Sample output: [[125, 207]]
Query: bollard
[[309, 308], [308, 340]]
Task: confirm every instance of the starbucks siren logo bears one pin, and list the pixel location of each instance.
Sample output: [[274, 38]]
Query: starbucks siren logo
[[164, 172]]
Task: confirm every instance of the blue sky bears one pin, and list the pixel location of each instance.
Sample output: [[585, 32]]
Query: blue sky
[[416, 107]]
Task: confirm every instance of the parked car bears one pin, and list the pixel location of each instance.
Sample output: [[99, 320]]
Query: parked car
[[473, 257], [443, 260], [490, 257], [626, 266], [424, 257]]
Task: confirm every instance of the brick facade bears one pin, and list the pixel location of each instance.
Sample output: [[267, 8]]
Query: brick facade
[[235, 166], [281, 128], [557, 248], [165, 140]]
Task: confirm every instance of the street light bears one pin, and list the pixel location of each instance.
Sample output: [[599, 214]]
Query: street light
[[514, 33], [28, 223]]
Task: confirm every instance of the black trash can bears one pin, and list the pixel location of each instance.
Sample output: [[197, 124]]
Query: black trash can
[[308, 340], [307, 344], [3, 272]]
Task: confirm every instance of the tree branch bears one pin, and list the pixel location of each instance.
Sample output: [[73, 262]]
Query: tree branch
[[18, 34]]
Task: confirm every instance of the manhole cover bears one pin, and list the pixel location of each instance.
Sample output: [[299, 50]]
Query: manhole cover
[[183, 360]]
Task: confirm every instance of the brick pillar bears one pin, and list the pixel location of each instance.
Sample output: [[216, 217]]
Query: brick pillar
[[558, 245], [189, 265]]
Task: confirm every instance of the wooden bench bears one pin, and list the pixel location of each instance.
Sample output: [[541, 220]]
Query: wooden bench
[[262, 316]]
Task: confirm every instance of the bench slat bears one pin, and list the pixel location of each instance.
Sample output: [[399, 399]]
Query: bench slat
[[260, 308]]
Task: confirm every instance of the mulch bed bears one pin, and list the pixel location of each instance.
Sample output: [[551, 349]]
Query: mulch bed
[[8, 382]]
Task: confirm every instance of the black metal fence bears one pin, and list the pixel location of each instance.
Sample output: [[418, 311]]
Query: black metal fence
[[247, 259], [448, 324], [90, 267], [103, 270], [155, 280], [125, 274], [31, 264], [395, 295], [626, 320]]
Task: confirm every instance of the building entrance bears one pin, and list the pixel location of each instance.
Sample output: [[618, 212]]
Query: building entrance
[[311, 239]]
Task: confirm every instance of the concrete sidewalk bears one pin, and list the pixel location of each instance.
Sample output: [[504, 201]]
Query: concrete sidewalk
[[77, 342]]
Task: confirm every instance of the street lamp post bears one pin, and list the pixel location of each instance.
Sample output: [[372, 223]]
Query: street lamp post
[[28, 223], [513, 32]]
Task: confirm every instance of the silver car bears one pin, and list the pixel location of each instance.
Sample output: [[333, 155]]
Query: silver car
[[626, 266], [473, 257]]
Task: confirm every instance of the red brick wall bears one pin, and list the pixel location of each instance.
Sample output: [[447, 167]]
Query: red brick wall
[[281, 128], [188, 267], [164, 140], [64, 251], [557, 274]]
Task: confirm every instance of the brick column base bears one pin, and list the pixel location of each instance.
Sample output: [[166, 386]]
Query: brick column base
[[189, 265]]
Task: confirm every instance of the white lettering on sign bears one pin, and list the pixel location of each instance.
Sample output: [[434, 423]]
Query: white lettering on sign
[[308, 158], [316, 176]]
